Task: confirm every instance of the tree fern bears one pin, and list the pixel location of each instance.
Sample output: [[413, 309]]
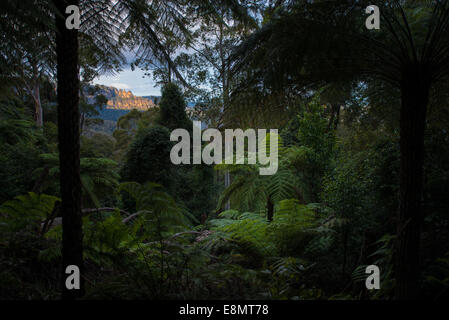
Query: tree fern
[[292, 227], [26, 212], [246, 230], [157, 207], [98, 176], [249, 190]]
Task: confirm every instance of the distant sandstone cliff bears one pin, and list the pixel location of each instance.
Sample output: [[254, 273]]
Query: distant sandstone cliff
[[120, 99]]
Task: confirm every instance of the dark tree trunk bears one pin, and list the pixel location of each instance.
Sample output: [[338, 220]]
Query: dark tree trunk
[[415, 96], [69, 147], [270, 210], [345, 253]]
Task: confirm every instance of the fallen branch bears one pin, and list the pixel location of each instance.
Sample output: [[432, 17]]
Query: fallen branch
[[174, 236], [130, 217], [53, 221], [106, 209], [184, 232]]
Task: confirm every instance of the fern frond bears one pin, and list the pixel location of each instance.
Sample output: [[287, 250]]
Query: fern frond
[[26, 211]]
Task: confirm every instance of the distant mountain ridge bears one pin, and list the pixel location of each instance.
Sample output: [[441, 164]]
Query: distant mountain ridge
[[120, 99]]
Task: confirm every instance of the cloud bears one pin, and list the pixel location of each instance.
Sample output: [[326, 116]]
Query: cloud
[[120, 85], [136, 81]]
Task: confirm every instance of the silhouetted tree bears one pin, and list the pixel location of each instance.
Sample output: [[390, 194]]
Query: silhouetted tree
[[310, 43]]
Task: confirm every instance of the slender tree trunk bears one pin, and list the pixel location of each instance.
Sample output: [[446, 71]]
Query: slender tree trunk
[[69, 147], [169, 73], [334, 117], [227, 184], [415, 95], [337, 116], [82, 122], [345, 253], [33, 89], [270, 210], [37, 104]]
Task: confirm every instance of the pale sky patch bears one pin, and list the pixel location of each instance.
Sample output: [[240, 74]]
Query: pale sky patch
[[120, 85], [134, 81]]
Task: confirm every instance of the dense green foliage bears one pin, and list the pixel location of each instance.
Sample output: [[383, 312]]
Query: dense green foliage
[[147, 157], [155, 230], [173, 106]]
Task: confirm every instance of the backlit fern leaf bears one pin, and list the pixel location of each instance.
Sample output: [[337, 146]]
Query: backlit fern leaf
[[26, 211]]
